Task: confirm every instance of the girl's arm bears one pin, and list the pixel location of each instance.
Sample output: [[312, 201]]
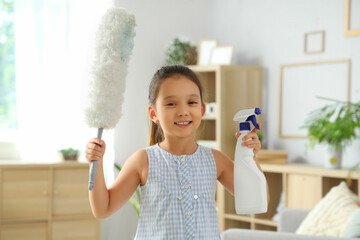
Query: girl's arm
[[104, 202], [225, 170]]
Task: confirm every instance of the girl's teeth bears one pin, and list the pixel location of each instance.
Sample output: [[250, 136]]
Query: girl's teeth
[[182, 123]]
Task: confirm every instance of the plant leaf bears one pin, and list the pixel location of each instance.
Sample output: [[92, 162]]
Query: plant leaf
[[136, 205]]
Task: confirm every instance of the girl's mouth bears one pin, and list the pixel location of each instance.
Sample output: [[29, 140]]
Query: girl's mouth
[[183, 123]]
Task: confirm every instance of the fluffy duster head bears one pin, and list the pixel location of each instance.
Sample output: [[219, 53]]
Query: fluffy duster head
[[114, 42]]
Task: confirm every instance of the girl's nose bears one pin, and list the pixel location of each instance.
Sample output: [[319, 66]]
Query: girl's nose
[[183, 111]]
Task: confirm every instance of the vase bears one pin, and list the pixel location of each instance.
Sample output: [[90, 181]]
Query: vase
[[333, 159]]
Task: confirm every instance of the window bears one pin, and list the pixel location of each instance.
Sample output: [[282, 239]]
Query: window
[[44, 56], [8, 112]]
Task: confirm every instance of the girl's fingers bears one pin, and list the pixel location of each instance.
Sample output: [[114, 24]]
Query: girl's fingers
[[255, 129], [95, 147], [97, 142], [93, 155], [254, 145], [252, 135], [93, 151]]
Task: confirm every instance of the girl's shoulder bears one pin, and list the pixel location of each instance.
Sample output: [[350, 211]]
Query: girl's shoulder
[[217, 154], [222, 161], [140, 154], [140, 160], [220, 156]]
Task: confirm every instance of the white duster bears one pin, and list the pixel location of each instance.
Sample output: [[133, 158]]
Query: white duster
[[114, 42]]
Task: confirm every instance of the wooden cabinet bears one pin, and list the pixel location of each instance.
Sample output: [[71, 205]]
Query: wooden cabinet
[[20, 231], [79, 229], [25, 194], [46, 201], [70, 194], [303, 190], [303, 186], [231, 88]]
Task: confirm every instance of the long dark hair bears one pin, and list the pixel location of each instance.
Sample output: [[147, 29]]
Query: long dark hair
[[156, 133]]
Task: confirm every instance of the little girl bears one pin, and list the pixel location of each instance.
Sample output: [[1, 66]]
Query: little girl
[[177, 176]]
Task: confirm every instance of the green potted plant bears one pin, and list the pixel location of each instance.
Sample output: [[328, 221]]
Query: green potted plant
[[334, 125], [134, 201], [181, 52], [69, 154]]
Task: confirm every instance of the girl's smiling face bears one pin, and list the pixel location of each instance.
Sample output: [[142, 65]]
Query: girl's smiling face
[[178, 107]]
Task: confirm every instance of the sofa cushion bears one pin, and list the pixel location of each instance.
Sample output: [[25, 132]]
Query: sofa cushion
[[291, 218], [332, 215], [246, 234], [353, 231]]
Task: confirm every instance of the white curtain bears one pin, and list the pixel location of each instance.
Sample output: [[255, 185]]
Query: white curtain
[[53, 52]]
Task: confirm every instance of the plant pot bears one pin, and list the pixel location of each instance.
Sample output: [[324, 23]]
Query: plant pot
[[70, 157], [333, 159]]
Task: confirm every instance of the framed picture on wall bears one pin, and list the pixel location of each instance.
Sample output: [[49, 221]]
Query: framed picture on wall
[[352, 18], [205, 48], [314, 42], [222, 55], [301, 85]]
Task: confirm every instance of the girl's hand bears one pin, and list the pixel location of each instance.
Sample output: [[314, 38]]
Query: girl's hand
[[254, 142], [94, 151]]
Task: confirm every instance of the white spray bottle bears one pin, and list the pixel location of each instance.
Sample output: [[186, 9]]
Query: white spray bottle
[[249, 182]]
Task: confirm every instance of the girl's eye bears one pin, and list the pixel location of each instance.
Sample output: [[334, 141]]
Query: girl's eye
[[170, 104], [192, 102]]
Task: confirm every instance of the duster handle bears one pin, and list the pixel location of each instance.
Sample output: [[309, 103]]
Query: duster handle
[[93, 166]]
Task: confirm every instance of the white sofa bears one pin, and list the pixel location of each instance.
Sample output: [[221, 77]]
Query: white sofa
[[289, 220]]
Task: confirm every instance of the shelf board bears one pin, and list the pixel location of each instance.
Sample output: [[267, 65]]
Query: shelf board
[[267, 222], [209, 118], [250, 219], [238, 217], [73, 217], [23, 220], [208, 143]]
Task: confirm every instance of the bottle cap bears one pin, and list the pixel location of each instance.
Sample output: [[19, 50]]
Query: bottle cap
[[244, 126]]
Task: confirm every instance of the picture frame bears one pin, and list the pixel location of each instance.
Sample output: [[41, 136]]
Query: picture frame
[[302, 83], [205, 48], [314, 42], [222, 55], [350, 16]]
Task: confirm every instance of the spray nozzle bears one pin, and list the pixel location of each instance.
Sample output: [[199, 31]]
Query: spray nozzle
[[246, 116]]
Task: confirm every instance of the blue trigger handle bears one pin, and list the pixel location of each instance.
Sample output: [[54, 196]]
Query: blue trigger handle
[[252, 118]]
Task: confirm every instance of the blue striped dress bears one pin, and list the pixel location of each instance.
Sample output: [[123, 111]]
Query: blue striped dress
[[178, 199]]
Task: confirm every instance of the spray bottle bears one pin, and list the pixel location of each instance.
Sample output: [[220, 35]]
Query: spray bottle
[[249, 182]]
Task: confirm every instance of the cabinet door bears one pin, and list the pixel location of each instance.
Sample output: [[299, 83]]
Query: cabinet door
[[25, 193], [70, 196], [83, 229], [303, 191], [24, 231]]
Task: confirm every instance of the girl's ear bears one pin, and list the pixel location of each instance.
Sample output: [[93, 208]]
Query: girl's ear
[[203, 109], [152, 114]]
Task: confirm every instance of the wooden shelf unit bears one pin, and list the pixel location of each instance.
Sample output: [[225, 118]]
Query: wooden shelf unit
[[303, 186], [46, 201], [232, 88]]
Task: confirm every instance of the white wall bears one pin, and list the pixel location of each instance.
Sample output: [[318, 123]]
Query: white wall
[[266, 33], [271, 33]]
